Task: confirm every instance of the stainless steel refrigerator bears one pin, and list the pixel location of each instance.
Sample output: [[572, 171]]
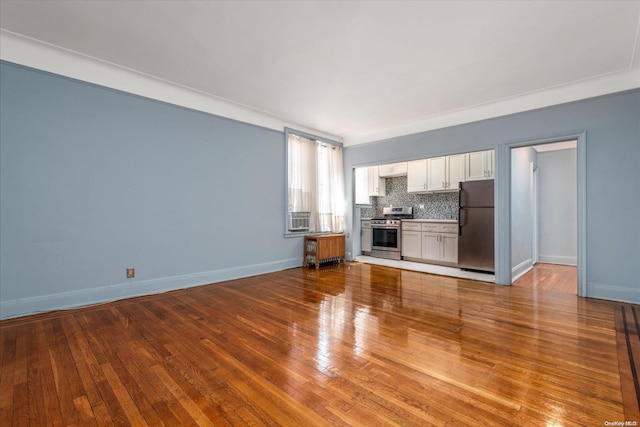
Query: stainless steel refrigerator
[[475, 226]]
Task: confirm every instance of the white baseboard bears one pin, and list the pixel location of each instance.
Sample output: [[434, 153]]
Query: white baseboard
[[64, 300], [521, 269], [555, 259]]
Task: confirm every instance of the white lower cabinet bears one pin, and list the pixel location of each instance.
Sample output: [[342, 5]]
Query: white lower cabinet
[[449, 247], [430, 246], [430, 242], [365, 233], [411, 244]]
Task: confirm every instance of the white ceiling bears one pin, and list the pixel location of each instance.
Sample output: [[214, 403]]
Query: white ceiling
[[355, 69]]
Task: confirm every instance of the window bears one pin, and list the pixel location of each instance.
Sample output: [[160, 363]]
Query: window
[[315, 183]]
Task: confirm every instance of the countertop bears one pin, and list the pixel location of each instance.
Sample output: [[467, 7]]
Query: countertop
[[447, 221]]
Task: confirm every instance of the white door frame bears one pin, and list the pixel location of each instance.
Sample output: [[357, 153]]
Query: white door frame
[[503, 206], [534, 213]]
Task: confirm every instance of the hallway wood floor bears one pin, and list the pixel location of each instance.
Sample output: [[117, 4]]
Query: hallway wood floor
[[354, 344], [550, 277]]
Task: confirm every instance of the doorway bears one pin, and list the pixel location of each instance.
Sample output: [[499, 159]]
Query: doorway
[[544, 215]]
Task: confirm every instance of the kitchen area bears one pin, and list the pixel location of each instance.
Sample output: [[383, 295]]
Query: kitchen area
[[432, 215]]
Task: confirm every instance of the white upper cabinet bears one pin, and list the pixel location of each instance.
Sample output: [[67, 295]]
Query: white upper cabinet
[[436, 177], [417, 176], [455, 170], [445, 172], [368, 184], [479, 165], [377, 185], [393, 169]]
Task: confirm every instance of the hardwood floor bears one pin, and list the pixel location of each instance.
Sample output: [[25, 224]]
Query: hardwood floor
[[551, 277], [355, 344]]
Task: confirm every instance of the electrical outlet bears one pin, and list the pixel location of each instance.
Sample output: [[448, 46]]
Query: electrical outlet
[[421, 206], [131, 272]]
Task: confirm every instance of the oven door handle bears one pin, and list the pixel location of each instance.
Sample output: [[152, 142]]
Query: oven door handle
[[386, 227]]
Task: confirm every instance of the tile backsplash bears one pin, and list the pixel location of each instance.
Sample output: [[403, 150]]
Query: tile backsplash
[[436, 205]]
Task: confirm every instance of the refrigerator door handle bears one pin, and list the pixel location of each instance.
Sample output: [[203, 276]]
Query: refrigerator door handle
[[460, 221]]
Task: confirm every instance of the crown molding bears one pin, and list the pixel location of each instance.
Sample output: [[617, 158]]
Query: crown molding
[[602, 85], [43, 56], [54, 59]]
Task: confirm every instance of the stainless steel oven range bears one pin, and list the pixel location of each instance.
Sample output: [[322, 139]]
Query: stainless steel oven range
[[386, 235]]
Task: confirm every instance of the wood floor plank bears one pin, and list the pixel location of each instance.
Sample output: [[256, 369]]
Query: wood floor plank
[[7, 375], [628, 350], [353, 344], [22, 404], [35, 381], [68, 383], [190, 406], [91, 323], [88, 370], [53, 416], [130, 409]]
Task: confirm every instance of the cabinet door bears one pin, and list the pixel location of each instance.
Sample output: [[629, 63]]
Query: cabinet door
[[455, 170], [417, 176], [479, 165], [475, 168], [449, 246], [436, 173], [376, 184], [490, 162], [430, 246], [412, 244], [393, 169], [366, 239]]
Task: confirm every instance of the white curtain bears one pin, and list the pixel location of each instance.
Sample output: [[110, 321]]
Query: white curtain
[[330, 188], [316, 183], [302, 175]]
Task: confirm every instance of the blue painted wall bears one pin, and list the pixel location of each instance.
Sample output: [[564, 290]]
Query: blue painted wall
[[95, 180], [612, 126]]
